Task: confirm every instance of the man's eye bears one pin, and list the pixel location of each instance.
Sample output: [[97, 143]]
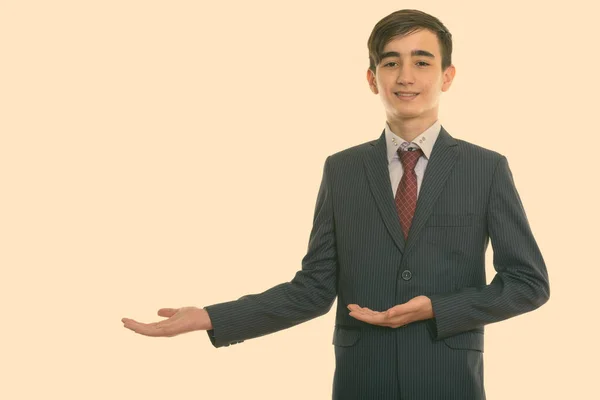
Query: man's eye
[[421, 63]]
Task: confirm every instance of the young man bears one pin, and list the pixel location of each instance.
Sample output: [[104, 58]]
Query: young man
[[400, 231]]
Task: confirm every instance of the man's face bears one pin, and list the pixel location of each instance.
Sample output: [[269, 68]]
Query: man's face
[[411, 63]]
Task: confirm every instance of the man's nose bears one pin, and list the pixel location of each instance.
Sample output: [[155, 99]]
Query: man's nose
[[405, 75]]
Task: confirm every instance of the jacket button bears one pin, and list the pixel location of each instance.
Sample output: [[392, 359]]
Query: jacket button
[[406, 275]]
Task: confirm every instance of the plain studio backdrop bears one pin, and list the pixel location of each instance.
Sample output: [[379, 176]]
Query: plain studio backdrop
[[159, 154]]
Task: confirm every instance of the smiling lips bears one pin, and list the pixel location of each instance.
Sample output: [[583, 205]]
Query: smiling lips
[[406, 95]]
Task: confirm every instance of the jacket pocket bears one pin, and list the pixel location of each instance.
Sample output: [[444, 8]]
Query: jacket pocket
[[450, 220], [471, 340], [345, 337]]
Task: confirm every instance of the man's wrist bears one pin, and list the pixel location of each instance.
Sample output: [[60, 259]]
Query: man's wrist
[[204, 321], [428, 309], [210, 325]]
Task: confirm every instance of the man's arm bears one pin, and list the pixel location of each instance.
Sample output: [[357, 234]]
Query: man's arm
[[521, 283], [309, 294]]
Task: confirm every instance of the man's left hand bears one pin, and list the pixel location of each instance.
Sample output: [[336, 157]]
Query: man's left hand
[[416, 309]]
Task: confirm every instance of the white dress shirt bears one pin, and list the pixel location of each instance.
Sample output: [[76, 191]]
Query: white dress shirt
[[424, 141]]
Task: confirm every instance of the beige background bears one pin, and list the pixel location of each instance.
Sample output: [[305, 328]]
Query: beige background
[[163, 154]]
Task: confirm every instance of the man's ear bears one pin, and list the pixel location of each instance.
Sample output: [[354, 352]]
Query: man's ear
[[372, 81], [448, 77]]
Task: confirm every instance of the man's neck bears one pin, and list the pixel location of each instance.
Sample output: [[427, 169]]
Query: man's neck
[[408, 129]]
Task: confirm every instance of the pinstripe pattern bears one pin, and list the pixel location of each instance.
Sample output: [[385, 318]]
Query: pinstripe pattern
[[357, 251]]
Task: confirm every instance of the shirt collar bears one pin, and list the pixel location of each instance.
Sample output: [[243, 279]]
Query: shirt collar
[[425, 141]]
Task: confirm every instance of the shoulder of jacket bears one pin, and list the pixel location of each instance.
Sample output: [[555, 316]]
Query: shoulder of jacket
[[480, 151], [351, 153]]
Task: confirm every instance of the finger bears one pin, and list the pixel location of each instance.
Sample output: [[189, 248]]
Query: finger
[[167, 312], [151, 329], [135, 326], [361, 310], [130, 322], [398, 310], [398, 315], [399, 321], [373, 319], [371, 312]]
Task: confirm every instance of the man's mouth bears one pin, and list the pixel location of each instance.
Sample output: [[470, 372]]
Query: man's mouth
[[406, 95]]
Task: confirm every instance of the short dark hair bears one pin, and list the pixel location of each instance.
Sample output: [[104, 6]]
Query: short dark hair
[[404, 22]]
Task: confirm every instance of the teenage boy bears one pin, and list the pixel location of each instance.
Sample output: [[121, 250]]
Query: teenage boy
[[399, 235]]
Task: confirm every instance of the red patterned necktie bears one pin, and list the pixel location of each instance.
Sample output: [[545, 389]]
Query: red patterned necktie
[[406, 194]]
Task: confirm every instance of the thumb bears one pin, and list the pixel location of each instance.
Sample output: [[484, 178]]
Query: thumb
[[167, 312]]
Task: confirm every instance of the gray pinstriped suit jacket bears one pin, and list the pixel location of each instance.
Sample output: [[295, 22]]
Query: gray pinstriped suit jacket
[[357, 252]]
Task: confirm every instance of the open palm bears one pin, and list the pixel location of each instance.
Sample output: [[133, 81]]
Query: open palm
[[180, 320]]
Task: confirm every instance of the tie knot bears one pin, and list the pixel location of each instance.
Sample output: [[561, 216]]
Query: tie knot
[[409, 158]]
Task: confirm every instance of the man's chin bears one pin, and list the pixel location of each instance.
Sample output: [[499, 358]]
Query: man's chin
[[406, 115]]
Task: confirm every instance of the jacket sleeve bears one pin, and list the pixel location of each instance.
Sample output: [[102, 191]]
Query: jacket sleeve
[[521, 282], [308, 295]]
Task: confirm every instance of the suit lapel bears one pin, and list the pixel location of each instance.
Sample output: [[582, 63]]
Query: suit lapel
[[439, 165], [378, 175]]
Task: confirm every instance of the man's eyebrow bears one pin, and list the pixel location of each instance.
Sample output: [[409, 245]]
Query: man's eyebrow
[[414, 53]]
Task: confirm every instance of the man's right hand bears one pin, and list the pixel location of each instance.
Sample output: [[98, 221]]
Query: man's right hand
[[180, 320]]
